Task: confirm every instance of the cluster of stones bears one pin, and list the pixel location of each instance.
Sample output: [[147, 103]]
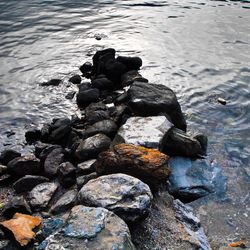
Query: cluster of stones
[[94, 178]]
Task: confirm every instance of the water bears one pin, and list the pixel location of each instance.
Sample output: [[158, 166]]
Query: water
[[199, 48]]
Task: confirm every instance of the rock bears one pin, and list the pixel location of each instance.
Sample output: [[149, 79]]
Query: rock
[[52, 82], [114, 70], [3, 169], [70, 95], [42, 150], [6, 179], [131, 76], [66, 202], [45, 132], [33, 135], [120, 113], [28, 182], [222, 101], [86, 67], [24, 165], [76, 79], [148, 165], [125, 195], [92, 146], [144, 131], [8, 155], [102, 83], [152, 99], [21, 226], [53, 161], [86, 167], [51, 225], [59, 131], [90, 228], [177, 143], [14, 205], [85, 97], [67, 174], [96, 112], [40, 196], [82, 180], [131, 63]]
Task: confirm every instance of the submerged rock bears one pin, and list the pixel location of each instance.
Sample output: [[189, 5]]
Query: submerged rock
[[152, 99], [125, 195], [52, 82], [76, 79], [8, 155]]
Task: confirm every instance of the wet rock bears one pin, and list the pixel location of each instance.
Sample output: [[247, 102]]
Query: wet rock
[[114, 70], [40, 196], [144, 131], [148, 165], [42, 150], [90, 228], [21, 226], [126, 196], [24, 165], [3, 169], [67, 174], [87, 96], [132, 63], [33, 135], [82, 180], [51, 226], [6, 179], [150, 99], [76, 79], [70, 95], [222, 101], [92, 146], [16, 204], [8, 155], [28, 182], [52, 82], [96, 112], [45, 132], [131, 76], [59, 134], [176, 142], [120, 114], [86, 167], [86, 67], [102, 83]]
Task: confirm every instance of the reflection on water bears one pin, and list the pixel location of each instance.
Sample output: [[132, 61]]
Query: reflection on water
[[201, 49]]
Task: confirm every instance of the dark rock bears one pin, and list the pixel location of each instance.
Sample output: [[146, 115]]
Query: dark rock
[[59, 134], [66, 202], [202, 139], [8, 155], [86, 167], [33, 135], [178, 143], [102, 83], [132, 63], [16, 204], [222, 101], [152, 99], [45, 132], [24, 165], [6, 179], [126, 196], [82, 180], [96, 112], [114, 70], [85, 97], [120, 113], [52, 82], [3, 169], [28, 182], [59, 122], [92, 146], [86, 67], [42, 150], [67, 174], [131, 76], [51, 225], [70, 95], [76, 79], [148, 165]]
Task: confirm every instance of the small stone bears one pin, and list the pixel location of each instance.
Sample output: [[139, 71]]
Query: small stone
[[67, 174], [52, 82], [76, 79], [86, 67], [222, 101], [8, 155]]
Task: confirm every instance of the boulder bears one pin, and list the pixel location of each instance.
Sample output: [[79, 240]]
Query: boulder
[[24, 165], [86, 167], [87, 96], [67, 174], [152, 99], [76, 79], [148, 165], [86, 67], [40, 196], [126, 196], [28, 182], [131, 63], [8, 155], [114, 70], [82, 180], [131, 76], [144, 131], [90, 228], [42, 150], [6, 179], [102, 83], [92, 146]]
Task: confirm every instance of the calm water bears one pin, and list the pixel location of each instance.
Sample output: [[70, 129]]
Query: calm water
[[199, 48]]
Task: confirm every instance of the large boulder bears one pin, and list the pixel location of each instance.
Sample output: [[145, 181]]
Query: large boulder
[[126, 196], [152, 99], [148, 165], [90, 228], [144, 131]]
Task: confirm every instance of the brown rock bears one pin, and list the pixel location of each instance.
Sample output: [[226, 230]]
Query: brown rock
[[148, 165], [21, 226]]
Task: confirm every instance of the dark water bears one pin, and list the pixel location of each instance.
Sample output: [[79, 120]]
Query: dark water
[[199, 48]]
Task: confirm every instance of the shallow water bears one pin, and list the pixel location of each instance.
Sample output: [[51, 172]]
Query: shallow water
[[199, 48]]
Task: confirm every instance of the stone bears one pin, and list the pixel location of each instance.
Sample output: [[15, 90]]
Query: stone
[[222, 101], [114, 70], [16, 204], [8, 155], [86, 167], [177, 143], [152, 99], [52, 225], [85, 97], [28, 182], [40, 196], [90, 228], [6, 179], [102, 83], [42, 150], [120, 113], [24, 165], [82, 180], [131, 76], [86, 67], [70, 95], [144, 131], [3, 169], [33, 135], [126, 196], [67, 174], [52, 82], [148, 165], [65, 202], [21, 226], [131, 63], [76, 79], [92, 146]]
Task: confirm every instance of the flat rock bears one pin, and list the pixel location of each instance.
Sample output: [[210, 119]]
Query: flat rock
[[144, 131], [8, 155], [126, 196], [148, 165], [152, 99], [90, 228]]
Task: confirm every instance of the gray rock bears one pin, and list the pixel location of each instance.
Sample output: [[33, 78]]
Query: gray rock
[[82, 180], [40, 196], [28, 182], [24, 165], [66, 202], [125, 195], [67, 174], [144, 131], [90, 228], [86, 167], [8, 155], [92, 146]]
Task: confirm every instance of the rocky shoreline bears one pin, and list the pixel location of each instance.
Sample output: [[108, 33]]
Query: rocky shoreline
[[115, 178]]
